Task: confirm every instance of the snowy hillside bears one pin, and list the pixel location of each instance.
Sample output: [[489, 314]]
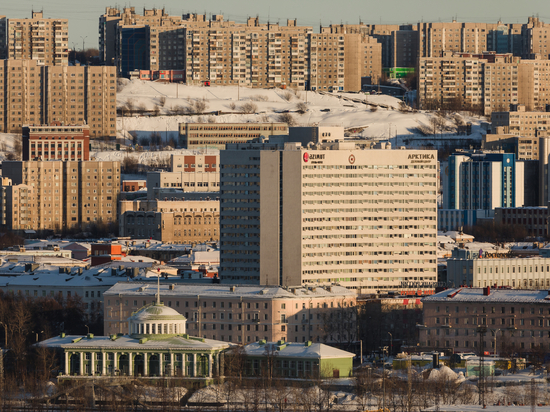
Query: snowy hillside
[[342, 109], [366, 116]]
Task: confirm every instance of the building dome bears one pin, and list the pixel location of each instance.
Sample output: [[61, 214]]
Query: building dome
[[157, 319]]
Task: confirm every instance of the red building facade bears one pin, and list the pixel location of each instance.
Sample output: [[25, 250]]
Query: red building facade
[[56, 142]]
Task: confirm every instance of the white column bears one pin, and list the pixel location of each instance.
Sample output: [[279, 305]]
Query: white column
[[103, 363], [194, 364], [67, 357], [222, 363], [92, 363], [130, 363], [161, 364], [172, 368], [115, 362], [145, 369], [183, 364], [81, 363], [209, 365], [218, 364]]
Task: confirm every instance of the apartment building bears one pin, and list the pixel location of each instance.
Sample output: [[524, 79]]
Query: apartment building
[[218, 135], [242, 314], [44, 40], [519, 122], [3, 39], [193, 172], [479, 180], [72, 95], [507, 320], [64, 194], [331, 213], [487, 82], [17, 202], [535, 38], [171, 221], [56, 142], [262, 55]]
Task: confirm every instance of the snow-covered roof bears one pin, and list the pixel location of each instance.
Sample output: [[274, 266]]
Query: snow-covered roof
[[127, 342], [495, 296], [296, 350], [218, 290]]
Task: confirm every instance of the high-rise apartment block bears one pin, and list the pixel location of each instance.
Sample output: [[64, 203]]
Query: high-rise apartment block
[[73, 95], [329, 213], [487, 82], [38, 38], [260, 55], [56, 142], [59, 194]]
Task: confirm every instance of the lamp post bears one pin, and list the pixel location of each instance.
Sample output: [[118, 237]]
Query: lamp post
[[391, 343], [384, 352]]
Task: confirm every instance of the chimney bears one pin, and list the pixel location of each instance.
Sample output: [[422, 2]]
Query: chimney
[[487, 291]]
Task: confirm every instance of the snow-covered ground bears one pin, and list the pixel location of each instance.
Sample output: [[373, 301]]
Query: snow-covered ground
[[338, 109], [368, 116]]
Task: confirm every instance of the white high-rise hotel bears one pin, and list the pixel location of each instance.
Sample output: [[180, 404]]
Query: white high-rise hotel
[[292, 216]]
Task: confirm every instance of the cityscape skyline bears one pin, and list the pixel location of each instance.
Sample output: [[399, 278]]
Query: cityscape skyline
[[83, 29]]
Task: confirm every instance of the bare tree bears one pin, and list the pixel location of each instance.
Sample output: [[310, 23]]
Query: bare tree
[[129, 105], [130, 164], [286, 96], [248, 108], [287, 118], [301, 107]]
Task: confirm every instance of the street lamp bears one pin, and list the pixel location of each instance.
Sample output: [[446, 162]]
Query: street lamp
[[391, 343]]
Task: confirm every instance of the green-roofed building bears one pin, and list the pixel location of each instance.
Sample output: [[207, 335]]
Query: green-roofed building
[[158, 345]]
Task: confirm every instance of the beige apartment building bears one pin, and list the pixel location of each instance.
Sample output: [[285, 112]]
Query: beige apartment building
[[217, 135], [242, 314], [72, 95], [488, 81], [17, 202], [520, 122], [252, 54], [171, 221], [191, 172], [60, 194], [332, 213], [44, 40]]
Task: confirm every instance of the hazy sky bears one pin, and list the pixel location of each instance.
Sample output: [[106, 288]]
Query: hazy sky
[[84, 15]]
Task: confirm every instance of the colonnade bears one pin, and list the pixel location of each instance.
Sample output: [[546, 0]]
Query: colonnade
[[102, 357]]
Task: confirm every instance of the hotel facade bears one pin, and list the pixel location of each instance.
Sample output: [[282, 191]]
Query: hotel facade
[[364, 219]]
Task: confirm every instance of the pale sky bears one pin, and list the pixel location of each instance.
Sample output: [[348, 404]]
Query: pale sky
[[84, 15]]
